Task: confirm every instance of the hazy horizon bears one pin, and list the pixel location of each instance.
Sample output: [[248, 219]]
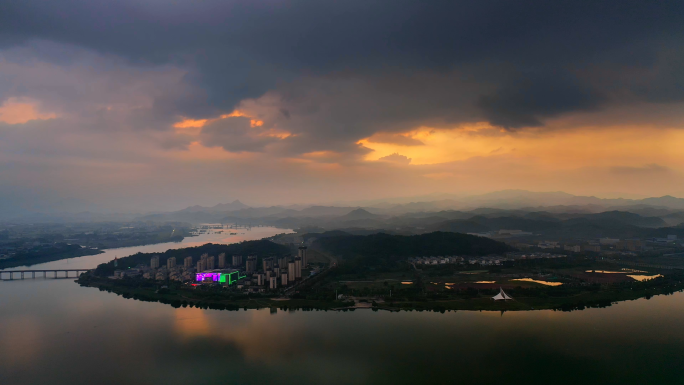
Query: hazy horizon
[[459, 201]]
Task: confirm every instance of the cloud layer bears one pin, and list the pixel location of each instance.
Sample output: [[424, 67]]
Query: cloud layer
[[117, 101]]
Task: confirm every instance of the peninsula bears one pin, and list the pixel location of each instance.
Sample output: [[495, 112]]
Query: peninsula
[[435, 271]]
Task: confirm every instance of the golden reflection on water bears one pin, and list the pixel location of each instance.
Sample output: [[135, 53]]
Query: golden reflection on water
[[191, 322], [21, 338], [622, 271], [537, 281], [252, 332], [485, 282], [644, 277]]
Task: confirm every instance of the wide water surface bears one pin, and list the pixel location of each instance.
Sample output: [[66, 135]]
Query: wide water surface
[[56, 332]]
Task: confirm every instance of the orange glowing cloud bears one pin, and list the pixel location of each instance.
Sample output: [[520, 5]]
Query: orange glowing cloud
[[553, 148], [234, 114], [190, 123], [194, 126], [21, 110]]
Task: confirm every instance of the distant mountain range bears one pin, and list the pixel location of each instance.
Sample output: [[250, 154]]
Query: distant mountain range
[[525, 209]]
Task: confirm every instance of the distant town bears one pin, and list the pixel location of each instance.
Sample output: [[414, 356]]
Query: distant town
[[242, 273]]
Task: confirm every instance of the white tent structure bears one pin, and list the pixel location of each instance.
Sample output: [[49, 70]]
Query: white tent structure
[[501, 296]]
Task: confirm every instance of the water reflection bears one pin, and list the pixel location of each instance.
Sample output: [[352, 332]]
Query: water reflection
[[117, 340], [644, 277], [547, 283], [55, 332]]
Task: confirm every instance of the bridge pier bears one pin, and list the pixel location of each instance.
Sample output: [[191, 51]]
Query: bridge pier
[[22, 275]]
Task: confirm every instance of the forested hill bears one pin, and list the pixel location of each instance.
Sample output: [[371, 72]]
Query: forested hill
[[261, 248], [401, 246]]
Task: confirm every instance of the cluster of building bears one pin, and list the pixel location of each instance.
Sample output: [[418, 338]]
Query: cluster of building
[[272, 273], [446, 260], [490, 260], [600, 244], [502, 234], [513, 256], [440, 260]]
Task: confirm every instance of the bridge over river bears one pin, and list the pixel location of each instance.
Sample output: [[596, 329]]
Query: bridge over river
[[56, 273]]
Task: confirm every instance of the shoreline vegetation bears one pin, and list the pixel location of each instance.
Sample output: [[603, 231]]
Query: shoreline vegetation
[[181, 297], [385, 281]]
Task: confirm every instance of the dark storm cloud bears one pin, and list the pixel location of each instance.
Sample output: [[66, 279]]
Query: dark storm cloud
[[524, 103], [525, 61]]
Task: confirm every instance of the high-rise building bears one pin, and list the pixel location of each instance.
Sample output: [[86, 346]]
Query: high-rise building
[[154, 262], [283, 279], [282, 262], [291, 271], [302, 255], [276, 271], [298, 268], [251, 264], [171, 263], [260, 279], [210, 263], [222, 261], [267, 263], [204, 256], [201, 265], [237, 260], [187, 263], [273, 283]]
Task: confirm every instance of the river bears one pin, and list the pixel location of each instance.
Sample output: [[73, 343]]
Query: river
[[56, 332], [91, 261]]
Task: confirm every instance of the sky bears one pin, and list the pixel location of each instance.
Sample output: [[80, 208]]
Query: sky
[[144, 105]]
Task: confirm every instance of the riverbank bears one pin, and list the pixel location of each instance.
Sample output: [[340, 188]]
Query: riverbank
[[183, 295], [177, 295], [31, 259]]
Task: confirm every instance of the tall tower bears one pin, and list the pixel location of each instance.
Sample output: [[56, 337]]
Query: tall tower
[[268, 263], [171, 263], [154, 262], [222, 261], [210, 263], [201, 265], [302, 255], [298, 267], [251, 264], [291, 272], [187, 262]]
